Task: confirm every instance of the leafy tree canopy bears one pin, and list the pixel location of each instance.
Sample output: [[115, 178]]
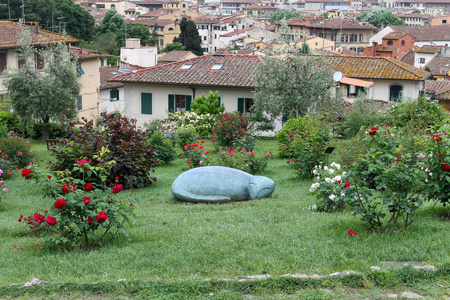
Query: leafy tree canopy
[[381, 17], [285, 14], [207, 105], [112, 22], [291, 86], [173, 47], [74, 19], [43, 95]]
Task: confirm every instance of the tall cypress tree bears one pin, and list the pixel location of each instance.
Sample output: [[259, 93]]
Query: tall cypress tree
[[189, 37]]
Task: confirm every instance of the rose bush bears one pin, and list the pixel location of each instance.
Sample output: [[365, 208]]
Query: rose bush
[[244, 160], [230, 128], [196, 155], [85, 212]]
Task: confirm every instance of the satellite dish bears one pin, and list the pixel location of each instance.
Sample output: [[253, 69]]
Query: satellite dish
[[337, 76], [339, 50]]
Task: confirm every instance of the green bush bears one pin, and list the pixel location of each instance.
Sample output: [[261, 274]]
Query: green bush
[[17, 149], [244, 160], [207, 105], [419, 114], [162, 147], [35, 131], [10, 120], [186, 135]]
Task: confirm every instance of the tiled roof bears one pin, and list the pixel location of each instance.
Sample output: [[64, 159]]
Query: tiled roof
[[394, 35], [237, 71], [85, 54], [106, 73], [408, 58], [436, 86], [175, 56], [429, 49], [439, 65], [425, 33], [154, 13], [10, 35], [344, 24], [375, 68]]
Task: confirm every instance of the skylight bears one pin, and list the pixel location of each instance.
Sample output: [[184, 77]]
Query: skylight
[[186, 66], [217, 67]]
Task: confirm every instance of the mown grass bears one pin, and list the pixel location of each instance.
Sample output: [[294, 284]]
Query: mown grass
[[175, 240]]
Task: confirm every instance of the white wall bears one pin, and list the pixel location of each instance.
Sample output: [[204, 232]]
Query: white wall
[[142, 57], [105, 103]]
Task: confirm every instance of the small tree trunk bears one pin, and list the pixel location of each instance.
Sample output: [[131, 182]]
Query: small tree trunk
[[46, 128]]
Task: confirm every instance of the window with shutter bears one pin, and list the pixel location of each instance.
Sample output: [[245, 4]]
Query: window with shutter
[[146, 103], [2, 61]]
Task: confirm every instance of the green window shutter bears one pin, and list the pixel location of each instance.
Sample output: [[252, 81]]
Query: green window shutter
[[241, 105], [102, 63], [146, 103], [171, 103], [188, 102], [218, 104], [111, 95], [117, 94]]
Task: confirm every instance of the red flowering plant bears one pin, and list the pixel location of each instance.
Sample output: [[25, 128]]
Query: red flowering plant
[[246, 161], [39, 222], [388, 201], [436, 164], [196, 155], [229, 128], [85, 212]]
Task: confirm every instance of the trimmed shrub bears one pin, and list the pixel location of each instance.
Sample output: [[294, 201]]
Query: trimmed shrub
[[17, 151], [163, 148]]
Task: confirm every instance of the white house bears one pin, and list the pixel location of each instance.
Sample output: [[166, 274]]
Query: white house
[[134, 54]]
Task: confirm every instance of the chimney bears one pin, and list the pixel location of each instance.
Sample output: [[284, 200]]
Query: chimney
[[33, 27], [374, 48]]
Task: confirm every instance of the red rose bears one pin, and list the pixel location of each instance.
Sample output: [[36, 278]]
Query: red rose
[[88, 187], [49, 177], [351, 233], [445, 167], [117, 188], [89, 220], [101, 217], [440, 155], [86, 200], [201, 146], [346, 185], [437, 137], [26, 172], [60, 203], [9, 173], [65, 188], [51, 221], [399, 158], [116, 178], [39, 218]]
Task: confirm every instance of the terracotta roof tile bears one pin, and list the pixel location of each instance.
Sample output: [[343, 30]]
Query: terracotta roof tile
[[375, 68], [436, 86], [394, 35], [425, 33], [85, 54], [429, 49], [237, 71], [175, 56], [10, 35], [439, 65], [106, 73]]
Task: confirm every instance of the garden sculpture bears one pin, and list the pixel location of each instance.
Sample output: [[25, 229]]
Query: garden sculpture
[[220, 184]]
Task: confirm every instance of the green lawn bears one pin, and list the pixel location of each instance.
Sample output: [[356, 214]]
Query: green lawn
[[177, 240]]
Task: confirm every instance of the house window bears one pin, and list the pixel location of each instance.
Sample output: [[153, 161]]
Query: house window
[[403, 43], [114, 95], [2, 61], [395, 92], [80, 102], [80, 70], [102, 62], [390, 43], [444, 21], [39, 61], [21, 62], [204, 38], [422, 60], [146, 103], [245, 105], [179, 103]]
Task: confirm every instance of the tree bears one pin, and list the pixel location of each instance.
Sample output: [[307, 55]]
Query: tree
[[74, 19], [207, 105], [189, 37], [285, 14], [291, 86], [112, 22], [305, 49], [381, 17], [43, 95], [174, 47]]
